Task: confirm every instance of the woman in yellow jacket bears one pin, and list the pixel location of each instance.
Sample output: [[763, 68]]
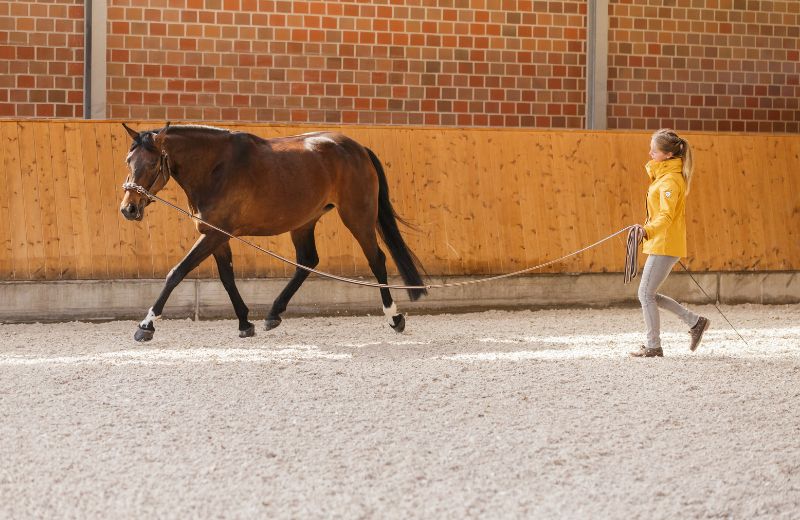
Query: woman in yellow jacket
[[670, 172]]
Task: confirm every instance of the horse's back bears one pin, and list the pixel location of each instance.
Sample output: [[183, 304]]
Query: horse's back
[[332, 155], [320, 142], [296, 178]]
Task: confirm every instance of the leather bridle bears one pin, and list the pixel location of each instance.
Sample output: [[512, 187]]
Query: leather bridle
[[163, 171]]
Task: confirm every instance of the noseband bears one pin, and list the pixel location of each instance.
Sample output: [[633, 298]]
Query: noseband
[[163, 171]]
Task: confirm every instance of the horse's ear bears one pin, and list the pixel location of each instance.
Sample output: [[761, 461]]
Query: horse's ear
[[131, 132], [163, 131]]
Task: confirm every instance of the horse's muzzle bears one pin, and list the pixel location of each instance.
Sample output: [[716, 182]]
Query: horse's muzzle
[[132, 211]]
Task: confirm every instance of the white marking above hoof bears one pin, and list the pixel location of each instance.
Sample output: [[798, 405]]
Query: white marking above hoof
[[390, 312], [149, 319]]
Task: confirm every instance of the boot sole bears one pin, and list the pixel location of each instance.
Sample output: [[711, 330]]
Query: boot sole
[[705, 328], [637, 355]]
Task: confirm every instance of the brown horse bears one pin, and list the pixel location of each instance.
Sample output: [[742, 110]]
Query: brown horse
[[247, 185]]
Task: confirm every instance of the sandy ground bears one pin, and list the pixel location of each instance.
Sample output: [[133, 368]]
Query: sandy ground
[[491, 415]]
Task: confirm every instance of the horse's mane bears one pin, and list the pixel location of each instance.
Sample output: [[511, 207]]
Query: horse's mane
[[203, 129], [200, 128]]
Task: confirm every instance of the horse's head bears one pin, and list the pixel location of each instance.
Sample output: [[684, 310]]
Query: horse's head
[[148, 167]]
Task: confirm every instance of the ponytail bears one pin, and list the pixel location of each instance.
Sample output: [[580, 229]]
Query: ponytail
[[668, 142], [688, 165]]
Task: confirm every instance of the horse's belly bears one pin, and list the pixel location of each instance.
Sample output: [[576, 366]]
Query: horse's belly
[[280, 218]]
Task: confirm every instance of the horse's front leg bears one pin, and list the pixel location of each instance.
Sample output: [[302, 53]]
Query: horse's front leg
[[204, 246], [224, 259]]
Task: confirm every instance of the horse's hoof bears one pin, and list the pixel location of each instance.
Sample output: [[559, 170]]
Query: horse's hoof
[[399, 323], [249, 332], [143, 335], [271, 323]]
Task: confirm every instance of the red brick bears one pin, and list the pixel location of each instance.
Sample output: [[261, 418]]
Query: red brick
[[249, 46]]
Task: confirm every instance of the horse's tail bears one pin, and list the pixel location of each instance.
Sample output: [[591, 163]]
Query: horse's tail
[[407, 262]]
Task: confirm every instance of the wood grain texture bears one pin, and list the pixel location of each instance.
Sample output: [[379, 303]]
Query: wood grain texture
[[481, 200]]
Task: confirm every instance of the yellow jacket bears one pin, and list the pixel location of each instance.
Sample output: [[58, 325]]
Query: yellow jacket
[[666, 209]]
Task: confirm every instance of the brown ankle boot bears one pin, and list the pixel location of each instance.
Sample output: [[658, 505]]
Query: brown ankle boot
[[648, 352], [697, 332]]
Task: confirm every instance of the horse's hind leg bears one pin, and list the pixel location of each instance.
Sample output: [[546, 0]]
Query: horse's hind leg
[[224, 259], [364, 232], [306, 254]]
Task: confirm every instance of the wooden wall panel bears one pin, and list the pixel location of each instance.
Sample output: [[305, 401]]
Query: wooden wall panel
[[481, 201], [6, 237], [78, 203], [43, 172], [32, 204], [454, 214], [63, 214], [94, 202], [14, 197], [789, 153]]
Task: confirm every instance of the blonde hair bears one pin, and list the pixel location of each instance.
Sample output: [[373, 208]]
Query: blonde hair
[[668, 142]]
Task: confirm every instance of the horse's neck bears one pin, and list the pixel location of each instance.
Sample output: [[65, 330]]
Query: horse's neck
[[192, 170]]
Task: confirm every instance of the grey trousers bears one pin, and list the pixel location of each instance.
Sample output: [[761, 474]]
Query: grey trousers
[[656, 270]]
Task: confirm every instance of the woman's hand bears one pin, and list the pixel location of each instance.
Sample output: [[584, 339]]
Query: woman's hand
[[640, 229]]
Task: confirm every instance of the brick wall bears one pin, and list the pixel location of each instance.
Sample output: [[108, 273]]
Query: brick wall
[[714, 65], [718, 65], [446, 62], [41, 58]]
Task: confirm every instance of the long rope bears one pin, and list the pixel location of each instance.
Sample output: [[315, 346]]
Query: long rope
[[714, 303], [635, 236], [139, 189]]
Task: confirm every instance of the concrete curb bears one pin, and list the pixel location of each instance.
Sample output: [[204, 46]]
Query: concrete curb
[[205, 298]]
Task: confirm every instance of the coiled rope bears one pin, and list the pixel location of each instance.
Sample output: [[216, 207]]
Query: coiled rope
[[635, 236]]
